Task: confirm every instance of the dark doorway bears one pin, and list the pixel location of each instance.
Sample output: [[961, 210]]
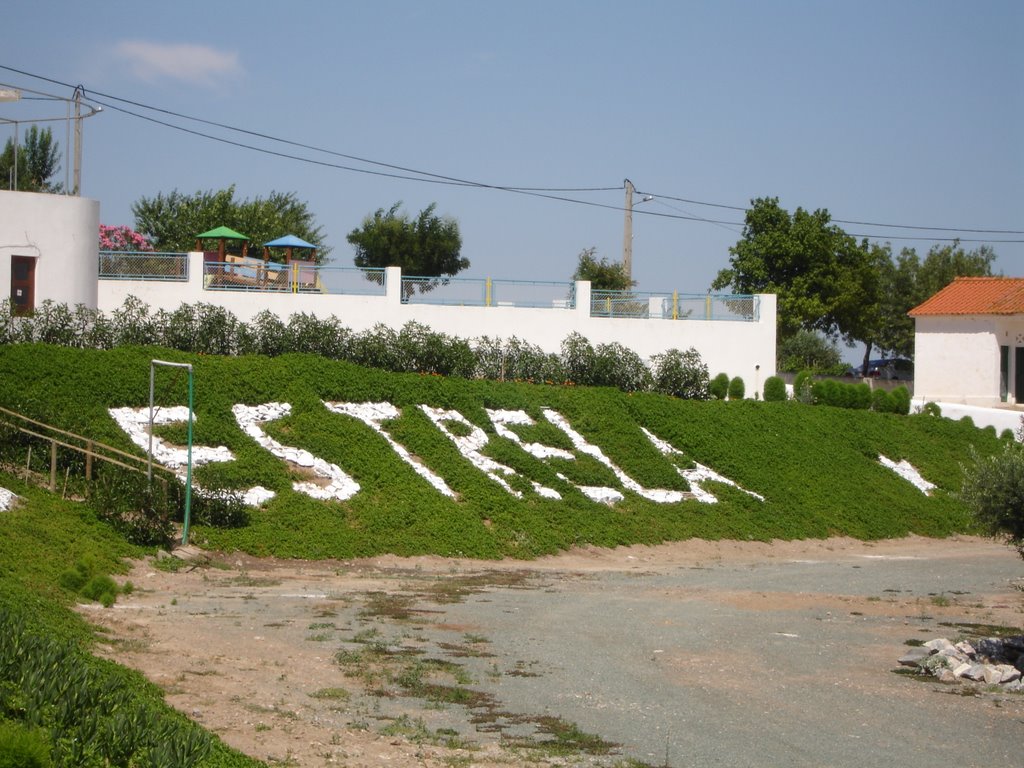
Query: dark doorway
[[1018, 374], [1004, 373], [23, 284]]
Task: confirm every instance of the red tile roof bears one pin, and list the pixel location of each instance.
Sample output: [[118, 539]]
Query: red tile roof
[[976, 296]]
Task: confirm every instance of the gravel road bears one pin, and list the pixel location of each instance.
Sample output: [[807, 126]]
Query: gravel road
[[695, 654]]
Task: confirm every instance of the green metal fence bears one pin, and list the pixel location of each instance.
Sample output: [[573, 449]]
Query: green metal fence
[[674, 306], [141, 265]]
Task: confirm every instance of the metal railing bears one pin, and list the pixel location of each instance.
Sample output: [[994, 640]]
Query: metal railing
[[91, 450], [142, 265], [245, 274], [486, 292], [674, 306]]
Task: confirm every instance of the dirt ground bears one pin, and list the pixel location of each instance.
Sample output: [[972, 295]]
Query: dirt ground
[[428, 661]]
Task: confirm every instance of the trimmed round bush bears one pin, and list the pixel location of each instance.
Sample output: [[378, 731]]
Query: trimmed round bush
[[901, 399], [882, 402], [861, 399], [719, 386], [737, 389], [774, 390]]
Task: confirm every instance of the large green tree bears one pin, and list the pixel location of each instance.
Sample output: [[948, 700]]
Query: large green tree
[[172, 221], [822, 276], [907, 281], [427, 246], [38, 162], [602, 274]]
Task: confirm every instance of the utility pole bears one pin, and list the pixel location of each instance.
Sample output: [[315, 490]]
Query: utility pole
[[78, 142], [627, 235]]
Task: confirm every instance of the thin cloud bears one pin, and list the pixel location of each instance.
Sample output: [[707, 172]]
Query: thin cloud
[[196, 64]]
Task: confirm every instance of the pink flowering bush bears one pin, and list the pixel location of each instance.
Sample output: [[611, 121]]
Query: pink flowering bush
[[122, 238]]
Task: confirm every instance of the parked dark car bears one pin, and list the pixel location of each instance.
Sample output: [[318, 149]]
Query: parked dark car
[[891, 369]]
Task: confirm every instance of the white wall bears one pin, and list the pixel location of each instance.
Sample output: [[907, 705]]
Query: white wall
[[956, 360], [62, 234], [744, 349]]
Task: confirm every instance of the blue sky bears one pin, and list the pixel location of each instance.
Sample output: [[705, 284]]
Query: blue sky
[[891, 112]]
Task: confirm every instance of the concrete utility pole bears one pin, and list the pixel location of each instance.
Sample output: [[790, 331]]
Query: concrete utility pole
[[627, 235], [77, 190]]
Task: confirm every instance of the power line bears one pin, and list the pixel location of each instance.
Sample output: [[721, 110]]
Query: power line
[[430, 177], [859, 223]]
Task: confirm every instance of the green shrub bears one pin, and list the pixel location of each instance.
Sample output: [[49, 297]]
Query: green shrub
[[882, 401], [578, 358], [737, 389], [803, 387], [719, 386], [22, 747], [100, 588], [861, 397], [774, 389], [901, 400], [994, 491], [681, 374], [931, 409], [806, 350]]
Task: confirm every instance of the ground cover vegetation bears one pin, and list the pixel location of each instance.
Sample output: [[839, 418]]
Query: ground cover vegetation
[[812, 487], [60, 704]]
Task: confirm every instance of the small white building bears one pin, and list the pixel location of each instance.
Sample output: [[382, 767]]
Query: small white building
[[48, 249], [969, 343]]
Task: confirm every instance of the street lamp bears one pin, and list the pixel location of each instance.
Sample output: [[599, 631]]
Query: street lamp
[[627, 235]]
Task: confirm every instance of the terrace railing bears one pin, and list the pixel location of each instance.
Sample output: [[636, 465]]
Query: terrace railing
[[486, 292], [142, 265], [674, 306], [246, 274]]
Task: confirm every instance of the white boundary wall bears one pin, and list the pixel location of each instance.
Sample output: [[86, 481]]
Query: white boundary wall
[[738, 348]]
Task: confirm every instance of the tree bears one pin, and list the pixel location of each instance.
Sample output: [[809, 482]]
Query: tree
[[907, 281], [171, 222], [808, 351], [38, 161], [428, 246], [993, 489], [603, 275], [822, 277]]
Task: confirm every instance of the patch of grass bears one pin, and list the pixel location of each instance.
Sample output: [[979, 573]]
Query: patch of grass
[[983, 630], [565, 739], [334, 694]]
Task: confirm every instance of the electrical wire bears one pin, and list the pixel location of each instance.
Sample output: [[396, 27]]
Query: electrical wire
[[858, 223], [436, 178]]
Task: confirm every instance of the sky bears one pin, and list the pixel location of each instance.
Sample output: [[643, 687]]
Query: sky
[[893, 112]]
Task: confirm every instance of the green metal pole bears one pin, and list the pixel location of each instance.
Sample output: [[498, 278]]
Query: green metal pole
[[188, 471]]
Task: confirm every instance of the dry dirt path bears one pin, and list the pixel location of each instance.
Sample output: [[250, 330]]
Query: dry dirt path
[[690, 654]]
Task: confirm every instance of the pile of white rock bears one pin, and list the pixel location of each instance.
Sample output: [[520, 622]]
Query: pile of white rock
[[992, 661], [7, 499]]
